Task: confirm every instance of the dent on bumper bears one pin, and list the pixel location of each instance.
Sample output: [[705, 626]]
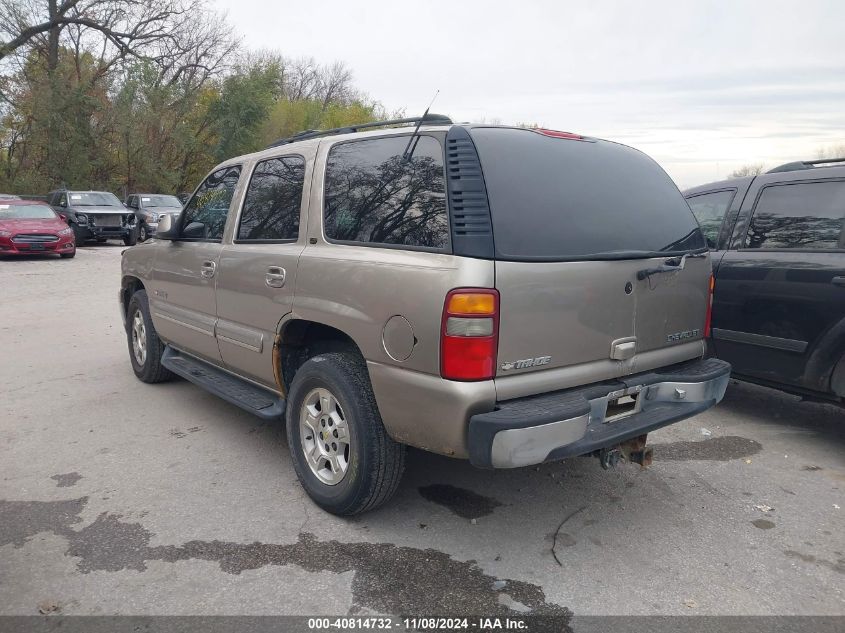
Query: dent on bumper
[[573, 422]]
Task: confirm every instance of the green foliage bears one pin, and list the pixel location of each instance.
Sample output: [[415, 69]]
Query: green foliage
[[132, 127]]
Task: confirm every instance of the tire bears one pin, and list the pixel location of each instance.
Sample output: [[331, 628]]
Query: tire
[[142, 233], [147, 366], [79, 238], [70, 255], [374, 462], [102, 240], [132, 238]]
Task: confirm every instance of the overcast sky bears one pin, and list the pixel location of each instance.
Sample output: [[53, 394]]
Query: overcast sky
[[703, 87]]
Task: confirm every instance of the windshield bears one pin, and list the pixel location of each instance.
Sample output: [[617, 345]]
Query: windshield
[[26, 212], [93, 199], [160, 201], [555, 199]]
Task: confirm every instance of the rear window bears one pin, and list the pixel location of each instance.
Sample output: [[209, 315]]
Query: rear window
[[555, 199]]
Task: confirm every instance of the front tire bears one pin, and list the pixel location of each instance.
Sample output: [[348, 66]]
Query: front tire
[[145, 347], [70, 255], [132, 238], [142, 233], [341, 452]]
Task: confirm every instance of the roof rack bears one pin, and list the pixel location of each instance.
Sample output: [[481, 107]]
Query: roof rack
[[805, 164], [437, 119]]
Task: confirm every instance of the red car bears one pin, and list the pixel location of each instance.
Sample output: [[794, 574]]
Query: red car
[[28, 227]]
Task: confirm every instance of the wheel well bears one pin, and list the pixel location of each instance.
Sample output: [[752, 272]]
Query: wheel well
[[301, 340], [129, 287]]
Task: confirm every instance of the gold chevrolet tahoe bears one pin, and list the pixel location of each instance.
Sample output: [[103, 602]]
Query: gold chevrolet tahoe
[[504, 295]]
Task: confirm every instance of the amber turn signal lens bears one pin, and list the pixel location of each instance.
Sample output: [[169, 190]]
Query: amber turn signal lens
[[471, 303]]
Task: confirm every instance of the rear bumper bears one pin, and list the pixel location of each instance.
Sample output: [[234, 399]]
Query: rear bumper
[[572, 422]]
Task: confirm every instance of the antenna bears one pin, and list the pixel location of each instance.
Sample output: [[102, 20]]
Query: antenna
[[409, 150]]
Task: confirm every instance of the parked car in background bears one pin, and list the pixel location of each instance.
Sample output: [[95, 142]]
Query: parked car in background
[[148, 208], [33, 228], [8, 196], [341, 279], [95, 215], [779, 260]]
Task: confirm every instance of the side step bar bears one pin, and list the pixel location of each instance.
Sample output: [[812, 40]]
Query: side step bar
[[258, 401]]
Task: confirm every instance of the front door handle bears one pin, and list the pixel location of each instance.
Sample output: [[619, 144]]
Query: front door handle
[[207, 269], [838, 281], [275, 277]]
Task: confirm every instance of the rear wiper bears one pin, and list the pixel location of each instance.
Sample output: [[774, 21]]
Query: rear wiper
[[671, 265]]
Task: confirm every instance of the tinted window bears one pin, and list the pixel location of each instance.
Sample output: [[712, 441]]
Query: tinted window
[[273, 200], [803, 215], [709, 209], [558, 199], [375, 195], [208, 209]]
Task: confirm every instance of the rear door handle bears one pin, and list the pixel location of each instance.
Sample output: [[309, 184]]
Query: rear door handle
[[838, 281], [207, 269], [275, 277]]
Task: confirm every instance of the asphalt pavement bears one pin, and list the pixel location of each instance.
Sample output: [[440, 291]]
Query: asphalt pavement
[[118, 497]]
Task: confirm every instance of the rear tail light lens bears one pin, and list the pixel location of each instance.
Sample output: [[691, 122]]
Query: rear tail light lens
[[469, 337], [708, 318], [558, 134]]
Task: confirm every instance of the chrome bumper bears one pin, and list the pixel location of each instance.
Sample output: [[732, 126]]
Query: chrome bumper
[[574, 422]]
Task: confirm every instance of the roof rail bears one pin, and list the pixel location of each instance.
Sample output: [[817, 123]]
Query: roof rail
[[805, 164], [437, 119]]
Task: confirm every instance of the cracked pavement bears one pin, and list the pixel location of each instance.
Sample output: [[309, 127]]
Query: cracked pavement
[[118, 497]]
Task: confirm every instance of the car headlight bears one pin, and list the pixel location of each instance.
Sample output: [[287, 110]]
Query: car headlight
[[67, 231], [5, 233], [152, 217], [81, 218]]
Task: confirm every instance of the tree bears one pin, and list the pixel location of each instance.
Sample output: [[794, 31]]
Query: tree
[[751, 169], [836, 150]]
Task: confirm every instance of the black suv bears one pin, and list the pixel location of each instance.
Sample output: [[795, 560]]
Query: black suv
[[95, 215], [779, 264]]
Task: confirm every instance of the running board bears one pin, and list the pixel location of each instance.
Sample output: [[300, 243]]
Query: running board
[[239, 392]]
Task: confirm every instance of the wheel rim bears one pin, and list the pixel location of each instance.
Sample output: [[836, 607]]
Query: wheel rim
[[143, 235], [139, 338], [324, 434]]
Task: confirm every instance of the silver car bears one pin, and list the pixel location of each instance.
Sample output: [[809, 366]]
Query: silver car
[[149, 209], [503, 295]]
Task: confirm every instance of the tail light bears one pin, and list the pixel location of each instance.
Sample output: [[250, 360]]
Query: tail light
[[469, 334], [558, 134], [708, 317]]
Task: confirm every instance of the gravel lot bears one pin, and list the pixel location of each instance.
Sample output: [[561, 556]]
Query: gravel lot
[[124, 498]]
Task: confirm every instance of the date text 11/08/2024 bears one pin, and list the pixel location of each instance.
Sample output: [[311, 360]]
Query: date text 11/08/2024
[[419, 624]]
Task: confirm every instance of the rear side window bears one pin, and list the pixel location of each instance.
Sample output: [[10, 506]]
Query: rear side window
[[204, 217], [555, 199], [373, 195], [805, 215], [273, 201], [710, 209]]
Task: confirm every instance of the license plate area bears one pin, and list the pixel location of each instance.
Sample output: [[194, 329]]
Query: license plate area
[[36, 247], [622, 404]]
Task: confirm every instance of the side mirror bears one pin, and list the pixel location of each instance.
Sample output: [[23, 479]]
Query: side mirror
[[195, 230], [166, 228], [63, 216]]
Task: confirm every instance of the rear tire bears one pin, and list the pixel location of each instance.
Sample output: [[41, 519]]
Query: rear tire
[[374, 461], [145, 347]]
